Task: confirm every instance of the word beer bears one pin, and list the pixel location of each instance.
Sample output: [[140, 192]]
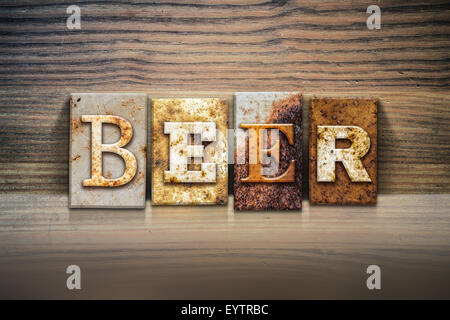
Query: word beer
[[192, 146]]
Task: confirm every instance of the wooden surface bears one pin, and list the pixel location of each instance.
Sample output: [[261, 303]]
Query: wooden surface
[[213, 252], [320, 48], [317, 47]]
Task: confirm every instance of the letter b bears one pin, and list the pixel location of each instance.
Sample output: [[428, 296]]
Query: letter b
[[97, 149]]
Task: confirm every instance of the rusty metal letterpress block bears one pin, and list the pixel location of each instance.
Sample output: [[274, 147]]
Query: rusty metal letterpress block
[[268, 151], [108, 150], [343, 151], [189, 151]]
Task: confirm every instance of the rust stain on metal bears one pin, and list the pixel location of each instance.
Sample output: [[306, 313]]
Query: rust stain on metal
[[172, 189], [76, 126], [144, 151], [343, 151]]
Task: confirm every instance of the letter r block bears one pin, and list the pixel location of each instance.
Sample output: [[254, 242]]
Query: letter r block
[[108, 150], [343, 151]]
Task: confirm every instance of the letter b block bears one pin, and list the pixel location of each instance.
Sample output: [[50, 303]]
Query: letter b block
[[108, 147], [343, 151]]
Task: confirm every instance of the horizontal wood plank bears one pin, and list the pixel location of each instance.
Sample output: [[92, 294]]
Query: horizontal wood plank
[[317, 47], [216, 253]]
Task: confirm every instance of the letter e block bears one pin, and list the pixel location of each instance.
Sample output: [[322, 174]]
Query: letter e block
[[343, 151], [108, 150], [189, 151], [268, 151]]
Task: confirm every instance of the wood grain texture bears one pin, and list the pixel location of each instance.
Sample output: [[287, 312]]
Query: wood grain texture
[[216, 253], [317, 47]]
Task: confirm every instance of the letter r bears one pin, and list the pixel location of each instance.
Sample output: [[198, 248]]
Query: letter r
[[328, 154]]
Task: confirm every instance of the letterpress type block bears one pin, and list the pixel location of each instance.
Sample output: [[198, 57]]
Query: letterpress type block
[[108, 147], [343, 151], [268, 151], [189, 151]]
